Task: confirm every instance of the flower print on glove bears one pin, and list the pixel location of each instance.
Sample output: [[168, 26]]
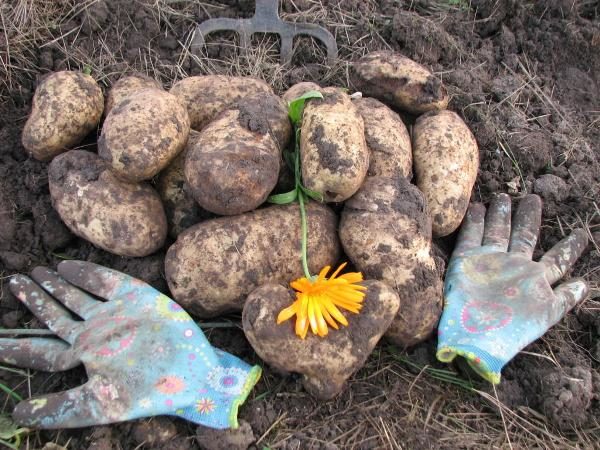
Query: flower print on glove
[[144, 355], [496, 299]]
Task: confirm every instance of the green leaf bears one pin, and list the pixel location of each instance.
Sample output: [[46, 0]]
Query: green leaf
[[87, 70], [296, 106], [283, 199], [10, 433], [313, 194], [10, 392]]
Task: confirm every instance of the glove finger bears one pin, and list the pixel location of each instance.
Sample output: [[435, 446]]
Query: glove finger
[[471, 230], [44, 307], [526, 225], [567, 295], [563, 255], [497, 223], [101, 281], [78, 407], [49, 355], [75, 299]]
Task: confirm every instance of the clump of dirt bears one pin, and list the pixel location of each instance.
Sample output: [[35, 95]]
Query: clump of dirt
[[525, 77]]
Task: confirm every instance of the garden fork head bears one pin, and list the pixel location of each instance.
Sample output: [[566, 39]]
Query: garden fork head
[[266, 20]]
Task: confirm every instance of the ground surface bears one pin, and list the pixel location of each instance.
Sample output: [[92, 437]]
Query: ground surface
[[523, 74]]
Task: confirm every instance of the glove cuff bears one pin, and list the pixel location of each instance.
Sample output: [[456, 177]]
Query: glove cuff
[[253, 377], [486, 365]]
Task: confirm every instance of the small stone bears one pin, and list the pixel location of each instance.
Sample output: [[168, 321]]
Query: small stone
[[551, 188], [11, 319], [156, 431], [14, 261], [232, 439]]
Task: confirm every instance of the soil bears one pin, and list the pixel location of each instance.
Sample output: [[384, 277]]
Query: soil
[[525, 77]]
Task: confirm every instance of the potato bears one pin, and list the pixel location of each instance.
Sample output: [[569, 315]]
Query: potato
[[180, 207], [126, 86], [67, 106], [333, 151], [206, 96], [398, 81], [122, 218], [215, 264], [325, 363], [235, 163], [143, 134], [386, 232], [446, 159], [387, 139], [271, 108], [299, 89]]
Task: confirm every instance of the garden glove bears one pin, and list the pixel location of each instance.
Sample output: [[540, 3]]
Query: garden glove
[[497, 300], [143, 353]]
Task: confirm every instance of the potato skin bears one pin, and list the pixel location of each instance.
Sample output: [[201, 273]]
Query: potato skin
[[215, 264], [325, 363], [387, 139], [122, 218], [398, 81], [181, 209], [333, 150], [206, 96], [67, 106], [386, 232], [299, 89], [234, 165], [143, 133], [446, 160], [126, 86]]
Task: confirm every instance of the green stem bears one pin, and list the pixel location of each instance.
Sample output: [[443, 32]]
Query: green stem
[[301, 198], [304, 235]]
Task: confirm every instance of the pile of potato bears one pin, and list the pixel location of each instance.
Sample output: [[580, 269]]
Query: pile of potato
[[198, 163]]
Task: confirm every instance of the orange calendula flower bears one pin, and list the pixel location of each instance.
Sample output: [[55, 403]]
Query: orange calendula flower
[[318, 301]]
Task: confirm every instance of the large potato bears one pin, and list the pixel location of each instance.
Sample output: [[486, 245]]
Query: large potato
[[446, 159], [333, 151], [398, 81], [126, 86], [325, 363], [299, 89], [215, 264], [206, 96], [67, 106], [235, 163], [387, 139], [123, 218], [181, 208], [386, 232], [143, 134]]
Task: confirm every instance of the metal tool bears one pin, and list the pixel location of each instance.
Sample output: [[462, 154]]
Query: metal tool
[[266, 20]]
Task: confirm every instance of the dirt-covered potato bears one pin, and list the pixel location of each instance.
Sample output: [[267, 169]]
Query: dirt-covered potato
[[143, 133], [386, 232], [299, 89], [123, 218], [126, 86], [180, 207], [398, 81], [67, 106], [234, 164], [333, 150], [387, 139], [215, 264], [446, 159], [325, 363], [206, 96]]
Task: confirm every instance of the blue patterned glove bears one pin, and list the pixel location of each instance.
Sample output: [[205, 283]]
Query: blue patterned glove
[[496, 299], [143, 354]]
